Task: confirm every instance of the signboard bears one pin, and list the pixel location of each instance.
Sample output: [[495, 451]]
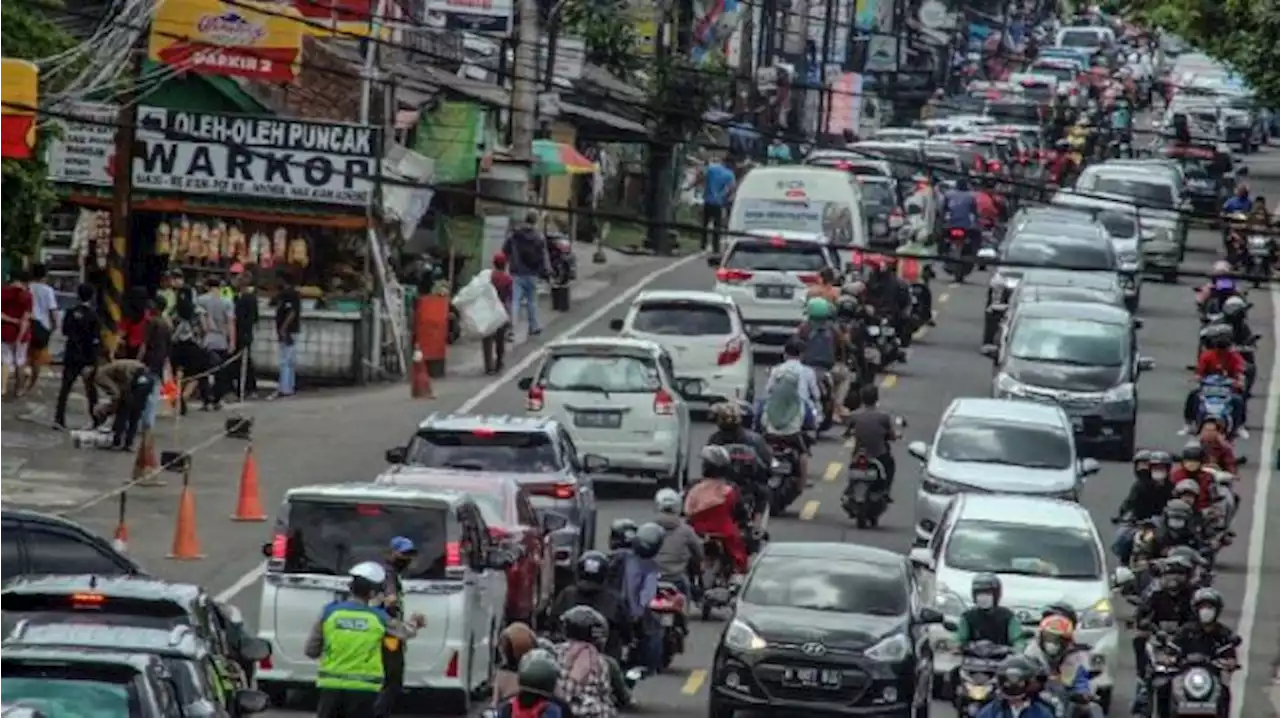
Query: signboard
[[491, 16], [211, 37], [19, 98], [207, 153], [344, 18], [571, 54]]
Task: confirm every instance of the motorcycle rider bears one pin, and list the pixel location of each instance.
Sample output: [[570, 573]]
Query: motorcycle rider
[[681, 553], [1147, 497], [873, 432], [828, 286], [1015, 679], [1177, 527], [824, 349], [1218, 450], [888, 294], [1221, 286], [987, 620], [640, 587], [1055, 647], [1235, 312], [592, 589], [713, 506], [1165, 601], [730, 430], [1238, 202], [538, 674], [587, 680], [1221, 359], [914, 266], [1191, 467], [1207, 634], [960, 211], [991, 206], [621, 533], [791, 404]]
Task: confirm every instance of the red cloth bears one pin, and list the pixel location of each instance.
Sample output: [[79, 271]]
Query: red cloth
[[988, 208], [718, 520], [1220, 453], [534, 711], [1205, 480], [16, 302], [1226, 362], [503, 283], [134, 331]]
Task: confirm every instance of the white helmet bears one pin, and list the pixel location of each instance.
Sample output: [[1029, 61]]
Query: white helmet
[[667, 501], [1234, 305], [370, 571]]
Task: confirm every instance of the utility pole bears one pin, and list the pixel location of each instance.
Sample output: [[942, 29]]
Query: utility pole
[[824, 57], [794, 45], [660, 153], [113, 289], [524, 96]]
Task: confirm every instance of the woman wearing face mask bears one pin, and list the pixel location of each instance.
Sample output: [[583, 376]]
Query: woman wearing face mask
[[1068, 666]]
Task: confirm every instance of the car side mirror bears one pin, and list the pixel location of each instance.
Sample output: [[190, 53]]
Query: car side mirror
[[525, 383], [921, 558], [397, 455], [1138, 323], [251, 701], [615, 325], [919, 450], [1121, 577], [553, 521], [1089, 466], [1146, 364], [594, 463], [928, 614], [989, 351], [254, 649], [713, 260]]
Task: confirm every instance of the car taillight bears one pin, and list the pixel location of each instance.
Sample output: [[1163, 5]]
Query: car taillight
[[564, 491], [809, 278], [452, 554], [861, 461], [279, 547], [730, 276], [993, 166], [496, 533], [536, 399], [451, 671], [957, 233], [663, 403], [265, 664], [731, 353]]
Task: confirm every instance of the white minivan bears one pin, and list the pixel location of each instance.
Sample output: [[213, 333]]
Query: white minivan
[[800, 199], [458, 582]]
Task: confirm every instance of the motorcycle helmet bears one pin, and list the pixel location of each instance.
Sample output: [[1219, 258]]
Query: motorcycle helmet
[[1185, 555], [593, 568], [1061, 608], [1142, 462], [1177, 515], [1207, 603], [1175, 572], [1192, 457], [847, 306], [1055, 636], [1014, 676], [1234, 307], [667, 501], [1161, 462], [986, 585], [539, 673], [818, 309], [1216, 336], [1221, 268], [620, 533], [716, 462], [1187, 490], [648, 540], [367, 578], [727, 415], [584, 623]]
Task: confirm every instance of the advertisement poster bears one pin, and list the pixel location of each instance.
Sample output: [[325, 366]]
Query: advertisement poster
[[486, 16], [715, 22], [210, 37], [846, 105], [19, 93]]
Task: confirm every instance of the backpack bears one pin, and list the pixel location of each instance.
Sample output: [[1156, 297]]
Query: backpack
[[820, 346]]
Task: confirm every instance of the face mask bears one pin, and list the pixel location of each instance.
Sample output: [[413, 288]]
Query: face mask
[[1207, 615], [1159, 474], [400, 563], [1051, 648], [984, 600], [1176, 524]]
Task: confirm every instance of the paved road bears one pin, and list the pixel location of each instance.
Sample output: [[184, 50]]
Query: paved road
[[341, 438]]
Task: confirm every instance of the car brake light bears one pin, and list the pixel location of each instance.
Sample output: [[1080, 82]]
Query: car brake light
[[777, 242], [564, 491], [536, 399], [451, 671], [809, 278], [993, 166], [957, 233], [265, 664], [730, 276], [452, 554], [484, 432], [279, 547], [731, 353], [663, 403], [87, 600]]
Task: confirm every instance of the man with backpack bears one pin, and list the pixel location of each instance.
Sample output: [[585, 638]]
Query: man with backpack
[[526, 250]]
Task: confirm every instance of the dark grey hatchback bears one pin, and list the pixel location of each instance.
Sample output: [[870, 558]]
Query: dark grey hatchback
[[830, 628]]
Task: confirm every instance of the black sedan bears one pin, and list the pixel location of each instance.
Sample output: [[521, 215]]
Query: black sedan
[[826, 628]]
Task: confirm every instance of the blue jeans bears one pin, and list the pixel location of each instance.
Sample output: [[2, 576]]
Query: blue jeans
[[288, 362], [525, 292], [651, 643], [148, 420], [1122, 545]]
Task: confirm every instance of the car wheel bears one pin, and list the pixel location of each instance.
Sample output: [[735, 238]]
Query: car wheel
[[1128, 442], [716, 707]]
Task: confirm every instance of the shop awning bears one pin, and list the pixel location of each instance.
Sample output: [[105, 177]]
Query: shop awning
[[553, 159], [605, 118]]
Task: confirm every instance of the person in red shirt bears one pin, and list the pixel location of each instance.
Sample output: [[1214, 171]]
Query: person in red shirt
[[1191, 465], [133, 324], [990, 205], [494, 346], [1217, 449], [713, 506], [1218, 359], [16, 305]]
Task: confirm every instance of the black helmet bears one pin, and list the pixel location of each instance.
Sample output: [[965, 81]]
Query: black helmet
[[1193, 451], [621, 531], [1208, 597], [1216, 336], [1161, 458], [584, 623], [593, 568], [986, 583], [648, 540], [539, 672], [1014, 675], [1185, 555], [1177, 515], [716, 462]]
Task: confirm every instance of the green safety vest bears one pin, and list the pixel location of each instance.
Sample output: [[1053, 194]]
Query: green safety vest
[[228, 293], [352, 658]]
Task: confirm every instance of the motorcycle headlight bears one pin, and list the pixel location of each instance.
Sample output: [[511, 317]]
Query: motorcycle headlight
[[1008, 386], [1097, 616], [893, 649], [741, 637], [1259, 242], [1197, 683], [1119, 394]]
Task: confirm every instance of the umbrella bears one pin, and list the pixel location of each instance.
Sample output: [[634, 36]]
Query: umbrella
[[551, 158]]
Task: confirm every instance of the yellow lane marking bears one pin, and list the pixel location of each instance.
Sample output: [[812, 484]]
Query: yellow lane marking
[[944, 298], [809, 511], [889, 381], [833, 472], [694, 682]]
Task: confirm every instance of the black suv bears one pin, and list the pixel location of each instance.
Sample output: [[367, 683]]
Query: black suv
[[135, 601], [36, 543]]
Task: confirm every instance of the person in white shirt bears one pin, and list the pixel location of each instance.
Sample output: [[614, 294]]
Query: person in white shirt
[[44, 303], [792, 398]]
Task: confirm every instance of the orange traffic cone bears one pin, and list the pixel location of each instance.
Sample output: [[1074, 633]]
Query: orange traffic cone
[[145, 462], [186, 544], [420, 379], [120, 539], [249, 505]]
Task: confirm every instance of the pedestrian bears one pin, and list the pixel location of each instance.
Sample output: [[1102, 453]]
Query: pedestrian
[[82, 330], [526, 250], [44, 308], [288, 324], [16, 305], [494, 346], [218, 318], [246, 322], [401, 553], [347, 642], [133, 323], [187, 357], [718, 181], [128, 382], [157, 350]]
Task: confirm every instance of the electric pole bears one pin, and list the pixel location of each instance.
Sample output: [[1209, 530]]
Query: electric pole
[[117, 280], [524, 97]]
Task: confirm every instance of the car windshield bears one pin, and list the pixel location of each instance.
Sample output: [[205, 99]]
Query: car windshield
[[329, 537], [1072, 255], [905, 160], [1069, 341], [826, 585], [483, 450], [878, 196], [65, 691], [1151, 194], [1118, 225], [1024, 549], [600, 372], [682, 319], [1066, 294], [1195, 168], [763, 256], [848, 164], [1064, 73], [1082, 38], [971, 440]]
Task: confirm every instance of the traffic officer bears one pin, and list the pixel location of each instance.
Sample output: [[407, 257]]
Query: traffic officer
[[348, 640], [400, 555]]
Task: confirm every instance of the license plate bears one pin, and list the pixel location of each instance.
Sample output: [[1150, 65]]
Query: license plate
[[812, 677], [861, 474], [774, 291], [598, 419], [667, 619]]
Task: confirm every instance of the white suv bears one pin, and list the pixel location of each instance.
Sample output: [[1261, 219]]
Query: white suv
[[768, 278]]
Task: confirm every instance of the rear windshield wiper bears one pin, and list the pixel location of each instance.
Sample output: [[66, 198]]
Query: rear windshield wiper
[[585, 387]]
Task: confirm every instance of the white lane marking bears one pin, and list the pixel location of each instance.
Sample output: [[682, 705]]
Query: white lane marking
[[492, 387], [1258, 529]]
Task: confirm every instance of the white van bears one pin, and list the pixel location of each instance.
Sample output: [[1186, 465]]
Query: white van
[[802, 200], [458, 581]]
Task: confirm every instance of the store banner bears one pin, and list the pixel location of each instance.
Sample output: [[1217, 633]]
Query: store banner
[[487, 16], [846, 105], [345, 18], [452, 135], [267, 158], [716, 21], [19, 98], [211, 37]]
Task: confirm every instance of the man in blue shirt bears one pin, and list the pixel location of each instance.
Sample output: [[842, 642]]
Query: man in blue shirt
[[1239, 203], [718, 182]]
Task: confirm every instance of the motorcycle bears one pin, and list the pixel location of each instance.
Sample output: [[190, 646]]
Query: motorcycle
[[1191, 685], [716, 577], [783, 476], [864, 498], [668, 605], [1213, 401], [958, 264], [1261, 257], [873, 354], [827, 391], [977, 678], [564, 264]]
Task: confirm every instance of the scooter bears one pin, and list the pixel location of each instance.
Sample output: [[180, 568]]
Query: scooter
[[1214, 401], [716, 577], [958, 264], [783, 476], [865, 498], [668, 605]]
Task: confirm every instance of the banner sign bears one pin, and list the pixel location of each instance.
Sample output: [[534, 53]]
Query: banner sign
[[19, 95], [211, 37], [207, 153], [487, 16]]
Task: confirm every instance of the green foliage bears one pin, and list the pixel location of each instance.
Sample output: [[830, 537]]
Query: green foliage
[[27, 34], [683, 91], [607, 29]]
